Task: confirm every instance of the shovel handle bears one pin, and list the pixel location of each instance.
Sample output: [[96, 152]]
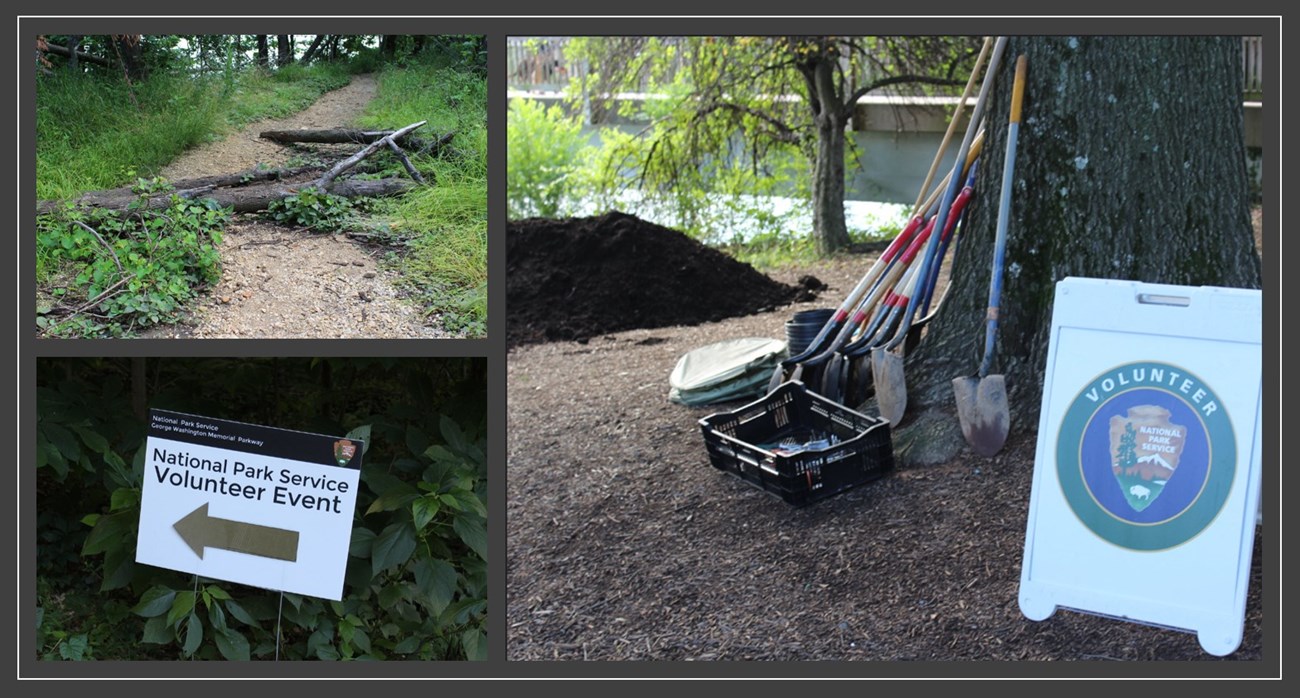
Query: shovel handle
[[1004, 214]]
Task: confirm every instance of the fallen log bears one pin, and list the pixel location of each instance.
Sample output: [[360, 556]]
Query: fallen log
[[254, 197], [355, 135], [342, 166], [187, 188]]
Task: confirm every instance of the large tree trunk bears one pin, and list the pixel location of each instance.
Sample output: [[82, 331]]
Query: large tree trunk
[[831, 118], [315, 46], [1130, 164], [263, 51]]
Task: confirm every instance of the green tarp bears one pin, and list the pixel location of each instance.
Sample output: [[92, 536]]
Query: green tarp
[[733, 369]]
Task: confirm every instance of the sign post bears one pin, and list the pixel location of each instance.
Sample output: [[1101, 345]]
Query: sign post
[[1147, 471], [256, 505]]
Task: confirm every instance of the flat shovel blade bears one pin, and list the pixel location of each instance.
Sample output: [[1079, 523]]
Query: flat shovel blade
[[983, 411], [890, 384]]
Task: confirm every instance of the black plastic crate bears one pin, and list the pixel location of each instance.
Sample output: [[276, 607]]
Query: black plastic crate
[[841, 448]]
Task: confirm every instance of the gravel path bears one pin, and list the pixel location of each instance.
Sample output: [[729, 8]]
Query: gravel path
[[279, 282]]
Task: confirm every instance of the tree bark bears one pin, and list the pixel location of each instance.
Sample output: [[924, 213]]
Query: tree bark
[[831, 118], [130, 48], [283, 49], [354, 135], [315, 46], [256, 197], [111, 198], [263, 51], [1130, 164], [81, 56]]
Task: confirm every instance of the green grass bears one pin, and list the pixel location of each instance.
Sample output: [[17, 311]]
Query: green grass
[[94, 133], [446, 267]]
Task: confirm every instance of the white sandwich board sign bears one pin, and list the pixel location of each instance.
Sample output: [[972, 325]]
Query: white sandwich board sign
[[1147, 471], [257, 505]]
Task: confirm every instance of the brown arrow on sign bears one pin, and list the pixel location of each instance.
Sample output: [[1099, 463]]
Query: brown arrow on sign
[[200, 531]]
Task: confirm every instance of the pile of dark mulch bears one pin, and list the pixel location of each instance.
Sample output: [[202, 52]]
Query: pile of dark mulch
[[577, 278]]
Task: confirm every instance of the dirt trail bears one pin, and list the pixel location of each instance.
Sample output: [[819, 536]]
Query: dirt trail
[[279, 282]]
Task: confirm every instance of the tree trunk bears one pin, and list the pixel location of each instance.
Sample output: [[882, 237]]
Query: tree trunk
[[283, 49], [112, 198], [74, 41], [130, 48], [388, 45], [263, 52], [831, 118], [315, 46], [1130, 164]]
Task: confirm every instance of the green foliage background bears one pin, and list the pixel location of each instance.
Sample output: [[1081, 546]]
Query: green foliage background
[[416, 580]]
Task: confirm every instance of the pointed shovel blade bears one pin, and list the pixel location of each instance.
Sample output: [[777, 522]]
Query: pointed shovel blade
[[890, 383], [983, 411]]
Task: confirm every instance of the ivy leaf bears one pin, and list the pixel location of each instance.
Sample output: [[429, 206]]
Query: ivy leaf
[[74, 648], [232, 645], [393, 547], [470, 530], [435, 581], [155, 602]]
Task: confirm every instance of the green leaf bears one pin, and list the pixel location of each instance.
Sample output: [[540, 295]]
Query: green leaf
[[361, 640], [158, 632], [416, 440], [93, 440], [155, 602], [63, 440], [111, 530], [408, 645], [470, 530], [363, 540], [182, 605], [361, 433], [218, 593], [321, 643], [193, 634], [75, 647], [119, 568], [424, 509], [475, 644], [452, 434], [435, 581], [124, 498], [236, 610], [217, 617], [390, 501], [391, 594], [393, 547], [232, 645], [452, 502], [381, 483]]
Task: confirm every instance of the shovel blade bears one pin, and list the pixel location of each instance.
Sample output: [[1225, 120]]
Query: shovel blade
[[983, 411], [890, 384]]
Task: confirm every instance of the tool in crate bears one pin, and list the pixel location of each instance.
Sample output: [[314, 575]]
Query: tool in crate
[[799, 445]]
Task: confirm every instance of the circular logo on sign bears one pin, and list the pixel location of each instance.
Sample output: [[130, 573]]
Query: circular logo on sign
[[1146, 455]]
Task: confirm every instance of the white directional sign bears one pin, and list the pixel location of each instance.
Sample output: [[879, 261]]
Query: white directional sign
[[257, 505], [1147, 475]]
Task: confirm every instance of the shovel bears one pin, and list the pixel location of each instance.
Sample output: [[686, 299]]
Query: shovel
[[982, 399], [886, 364]]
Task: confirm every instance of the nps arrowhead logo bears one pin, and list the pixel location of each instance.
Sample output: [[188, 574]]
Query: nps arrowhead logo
[[1145, 450], [1146, 455], [343, 451]]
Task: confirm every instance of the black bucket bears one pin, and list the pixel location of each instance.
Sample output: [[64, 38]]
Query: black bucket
[[802, 329]]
